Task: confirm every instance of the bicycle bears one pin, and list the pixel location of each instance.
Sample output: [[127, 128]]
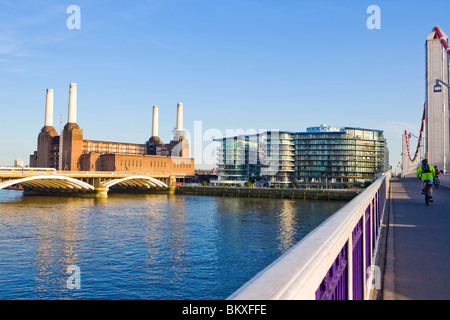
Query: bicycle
[[436, 182]]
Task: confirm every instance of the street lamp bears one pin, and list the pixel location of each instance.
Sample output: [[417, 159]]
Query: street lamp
[[438, 88]]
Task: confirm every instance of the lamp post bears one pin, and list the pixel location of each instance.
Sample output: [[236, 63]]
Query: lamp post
[[438, 88]]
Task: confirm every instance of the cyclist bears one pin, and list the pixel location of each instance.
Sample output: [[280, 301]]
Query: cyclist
[[426, 173], [437, 172]]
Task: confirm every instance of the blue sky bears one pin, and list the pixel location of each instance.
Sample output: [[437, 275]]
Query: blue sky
[[235, 64]]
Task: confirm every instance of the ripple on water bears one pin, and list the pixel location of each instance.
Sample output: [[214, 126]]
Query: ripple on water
[[144, 246]]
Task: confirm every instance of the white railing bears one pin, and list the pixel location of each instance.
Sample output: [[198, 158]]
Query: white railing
[[25, 170], [445, 180], [344, 245]]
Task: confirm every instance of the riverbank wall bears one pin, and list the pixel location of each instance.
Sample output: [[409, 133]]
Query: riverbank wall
[[305, 194]]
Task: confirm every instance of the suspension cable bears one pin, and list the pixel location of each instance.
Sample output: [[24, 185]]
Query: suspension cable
[[419, 144]]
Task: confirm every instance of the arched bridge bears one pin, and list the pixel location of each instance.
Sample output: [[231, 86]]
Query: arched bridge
[[50, 181], [135, 182]]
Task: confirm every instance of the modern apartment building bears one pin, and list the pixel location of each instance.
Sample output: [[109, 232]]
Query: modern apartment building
[[321, 157], [277, 154], [339, 156], [238, 160]]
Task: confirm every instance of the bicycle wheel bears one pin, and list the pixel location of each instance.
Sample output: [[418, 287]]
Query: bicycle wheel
[[427, 196]]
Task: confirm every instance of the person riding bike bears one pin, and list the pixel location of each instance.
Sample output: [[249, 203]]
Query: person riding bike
[[437, 172], [426, 173]]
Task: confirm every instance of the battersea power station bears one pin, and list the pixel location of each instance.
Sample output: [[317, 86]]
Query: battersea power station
[[71, 152]]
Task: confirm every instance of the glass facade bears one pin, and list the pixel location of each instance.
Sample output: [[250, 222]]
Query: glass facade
[[321, 157], [277, 151], [237, 160], [348, 157]]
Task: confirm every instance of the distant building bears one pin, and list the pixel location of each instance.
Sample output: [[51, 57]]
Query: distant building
[[237, 160], [277, 155], [73, 153], [18, 163], [339, 156], [321, 157]]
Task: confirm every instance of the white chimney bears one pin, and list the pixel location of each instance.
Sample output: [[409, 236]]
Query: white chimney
[[73, 103], [49, 109], [179, 116], [155, 122]]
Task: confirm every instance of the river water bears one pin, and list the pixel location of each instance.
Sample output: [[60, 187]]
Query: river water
[[157, 246]]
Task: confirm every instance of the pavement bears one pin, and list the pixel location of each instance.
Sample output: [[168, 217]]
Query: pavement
[[417, 244]]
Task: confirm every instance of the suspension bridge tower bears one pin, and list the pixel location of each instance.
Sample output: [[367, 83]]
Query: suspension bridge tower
[[434, 137], [437, 128]]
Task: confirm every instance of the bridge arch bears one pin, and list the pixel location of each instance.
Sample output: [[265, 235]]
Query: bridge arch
[[136, 181], [49, 182]]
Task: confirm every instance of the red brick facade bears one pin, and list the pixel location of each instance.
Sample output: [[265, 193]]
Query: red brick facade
[[91, 155]]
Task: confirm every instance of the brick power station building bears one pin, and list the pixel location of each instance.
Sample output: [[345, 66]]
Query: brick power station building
[[72, 153]]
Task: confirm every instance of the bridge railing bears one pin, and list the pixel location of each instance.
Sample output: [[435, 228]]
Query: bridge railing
[[24, 170], [445, 180], [332, 261]]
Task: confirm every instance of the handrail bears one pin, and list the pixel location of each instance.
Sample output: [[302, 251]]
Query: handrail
[[445, 180], [347, 239]]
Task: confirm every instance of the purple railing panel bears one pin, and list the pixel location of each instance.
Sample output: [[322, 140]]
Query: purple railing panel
[[379, 208], [358, 273], [334, 285], [367, 236], [373, 215]]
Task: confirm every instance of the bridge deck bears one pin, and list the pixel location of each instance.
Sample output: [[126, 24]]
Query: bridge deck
[[418, 247]]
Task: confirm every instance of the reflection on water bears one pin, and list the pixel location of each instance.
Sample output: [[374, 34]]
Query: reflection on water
[[157, 246]]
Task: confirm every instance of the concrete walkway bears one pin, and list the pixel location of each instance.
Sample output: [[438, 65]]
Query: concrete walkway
[[418, 244]]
